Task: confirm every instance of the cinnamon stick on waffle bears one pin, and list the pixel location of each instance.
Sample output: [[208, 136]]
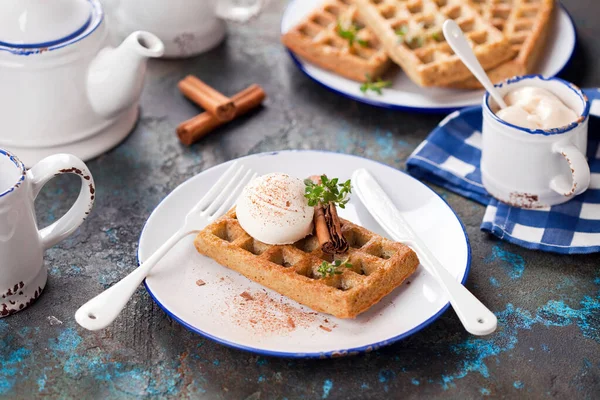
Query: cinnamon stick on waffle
[[328, 228]]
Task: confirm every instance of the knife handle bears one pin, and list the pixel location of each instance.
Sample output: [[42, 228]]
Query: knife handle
[[476, 317]]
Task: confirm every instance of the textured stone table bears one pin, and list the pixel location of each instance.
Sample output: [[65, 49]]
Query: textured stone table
[[548, 306]]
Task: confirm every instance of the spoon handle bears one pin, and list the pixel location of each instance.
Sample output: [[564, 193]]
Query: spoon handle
[[458, 42], [102, 310]]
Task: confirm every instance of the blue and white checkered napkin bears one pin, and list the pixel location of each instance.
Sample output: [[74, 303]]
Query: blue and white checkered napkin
[[450, 158]]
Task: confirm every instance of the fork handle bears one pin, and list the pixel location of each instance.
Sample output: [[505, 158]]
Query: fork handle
[[102, 310]]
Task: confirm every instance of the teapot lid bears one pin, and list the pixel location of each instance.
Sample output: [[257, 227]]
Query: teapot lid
[[42, 23]]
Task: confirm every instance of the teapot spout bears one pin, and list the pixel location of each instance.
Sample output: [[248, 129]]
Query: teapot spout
[[116, 76]]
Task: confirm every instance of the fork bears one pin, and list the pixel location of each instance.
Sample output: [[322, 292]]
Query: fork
[[102, 310]]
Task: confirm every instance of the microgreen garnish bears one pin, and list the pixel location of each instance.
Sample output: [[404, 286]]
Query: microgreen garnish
[[415, 42], [330, 269], [375, 86], [437, 36], [401, 32], [350, 34], [411, 41], [328, 191]]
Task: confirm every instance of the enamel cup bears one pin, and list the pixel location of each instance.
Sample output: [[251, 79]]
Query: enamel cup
[[22, 272], [535, 168]]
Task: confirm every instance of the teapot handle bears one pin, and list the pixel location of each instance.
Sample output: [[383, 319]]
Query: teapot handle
[[231, 10]]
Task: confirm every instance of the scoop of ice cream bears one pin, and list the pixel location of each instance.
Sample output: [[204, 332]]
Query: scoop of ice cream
[[272, 209], [536, 108]]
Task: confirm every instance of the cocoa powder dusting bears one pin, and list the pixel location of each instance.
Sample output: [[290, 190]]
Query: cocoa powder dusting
[[247, 296], [267, 315], [325, 328]]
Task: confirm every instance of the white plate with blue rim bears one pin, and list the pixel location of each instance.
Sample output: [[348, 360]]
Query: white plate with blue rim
[[221, 304], [406, 95]]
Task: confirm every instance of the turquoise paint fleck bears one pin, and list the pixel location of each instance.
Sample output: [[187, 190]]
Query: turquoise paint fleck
[[597, 280], [494, 282], [513, 263], [261, 361], [518, 385], [327, 385], [545, 347], [162, 379], [385, 375], [365, 386], [216, 362], [415, 382], [42, 383], [10, 365], [484, 391], [261, 378], [112, 235], [475, 351], [67, 341]]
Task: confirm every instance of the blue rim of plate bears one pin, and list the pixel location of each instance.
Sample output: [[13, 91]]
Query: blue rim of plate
[[423, 110], [328, 354]]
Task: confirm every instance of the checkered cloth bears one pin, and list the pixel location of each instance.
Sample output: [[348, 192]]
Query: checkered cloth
[[450, 158]]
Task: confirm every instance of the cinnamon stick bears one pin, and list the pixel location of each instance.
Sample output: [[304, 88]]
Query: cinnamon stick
[[322, 229], [328, 228], [208, 98], [195, 128]]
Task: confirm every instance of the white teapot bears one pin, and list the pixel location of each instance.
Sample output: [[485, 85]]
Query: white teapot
[[186, 27], [61, 89]]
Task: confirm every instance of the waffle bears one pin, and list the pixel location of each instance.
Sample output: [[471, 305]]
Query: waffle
[[378, 265], [526, 24], [317, 40], [411, 33]]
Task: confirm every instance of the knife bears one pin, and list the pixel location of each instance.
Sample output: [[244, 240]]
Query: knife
[[475, 317]]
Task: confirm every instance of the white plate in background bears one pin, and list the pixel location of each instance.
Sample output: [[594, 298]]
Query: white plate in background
[[406, 95]]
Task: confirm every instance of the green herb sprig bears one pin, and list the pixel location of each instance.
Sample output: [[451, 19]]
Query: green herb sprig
[[328, 191], [401, 32], [437, 36], [330, 269], [411, 41], [375, 86], [350, 34]]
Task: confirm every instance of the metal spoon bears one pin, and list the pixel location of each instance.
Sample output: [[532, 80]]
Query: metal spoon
[[458, 42]]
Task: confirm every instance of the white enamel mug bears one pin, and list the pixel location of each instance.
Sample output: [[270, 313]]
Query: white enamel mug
[[535, 168], [22, 272]]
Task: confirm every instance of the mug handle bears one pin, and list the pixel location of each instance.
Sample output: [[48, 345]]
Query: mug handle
[[47, 169], [231, 11], [580, 171]]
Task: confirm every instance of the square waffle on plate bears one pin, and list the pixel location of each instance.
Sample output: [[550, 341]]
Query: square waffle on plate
[[378, 265], [318, 40], [526, 24], [411, 33]]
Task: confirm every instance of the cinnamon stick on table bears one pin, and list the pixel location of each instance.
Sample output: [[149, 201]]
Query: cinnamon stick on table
[[328, 228], [222, 107], [195, 128]]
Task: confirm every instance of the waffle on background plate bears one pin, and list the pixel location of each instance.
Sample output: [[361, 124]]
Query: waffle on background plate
[[378, 265], [526, 24], [508, 37], [411, 33], [318, 40]]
